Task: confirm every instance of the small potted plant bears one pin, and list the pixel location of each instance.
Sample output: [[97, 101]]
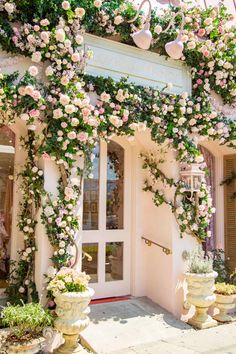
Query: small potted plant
[[200, 279], [72, 297], [26, 326], [225, 301]]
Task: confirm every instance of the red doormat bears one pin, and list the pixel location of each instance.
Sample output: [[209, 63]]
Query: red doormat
[[109, 299]]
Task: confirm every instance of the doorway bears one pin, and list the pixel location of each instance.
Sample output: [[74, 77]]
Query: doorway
[[106, 231]]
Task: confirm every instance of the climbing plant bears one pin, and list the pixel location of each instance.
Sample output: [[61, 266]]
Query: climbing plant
[[63, 125]]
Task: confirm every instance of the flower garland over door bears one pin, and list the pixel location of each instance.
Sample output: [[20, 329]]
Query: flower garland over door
[[52, 32]]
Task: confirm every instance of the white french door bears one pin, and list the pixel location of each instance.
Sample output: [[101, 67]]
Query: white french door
[[107, 220]]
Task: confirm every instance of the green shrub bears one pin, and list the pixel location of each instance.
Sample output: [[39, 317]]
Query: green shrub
[[27, 321], [198, 263], [225, 289]]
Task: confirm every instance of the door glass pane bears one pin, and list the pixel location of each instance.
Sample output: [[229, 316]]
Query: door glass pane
[[91, 196], [90, 261], [115, 186], [114, 261], [7, 154]]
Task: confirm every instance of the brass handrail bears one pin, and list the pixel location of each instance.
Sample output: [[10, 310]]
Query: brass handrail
[[148, 242]]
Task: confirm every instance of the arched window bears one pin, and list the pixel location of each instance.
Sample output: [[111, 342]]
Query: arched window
[[7, 155]]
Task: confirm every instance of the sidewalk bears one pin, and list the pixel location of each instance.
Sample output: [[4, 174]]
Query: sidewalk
[[217, 340], [139, 326]]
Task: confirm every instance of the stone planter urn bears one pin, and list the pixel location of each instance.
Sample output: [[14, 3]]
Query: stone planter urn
[[201, 294], [224, 303], [30, 347], [72, 311]]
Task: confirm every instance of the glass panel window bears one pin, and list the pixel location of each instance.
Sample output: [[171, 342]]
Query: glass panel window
[[115, 186], [114, 261], [7, 154], [90, 261], [91, 196]]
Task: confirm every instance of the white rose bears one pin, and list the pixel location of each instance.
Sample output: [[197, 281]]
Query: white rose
[[44, 36], [79, 12], [44, 22], [208, 21], [158, 29], [36, 57], [74, 122], [62, 244], [70, 108], [35, 169], [24, 116], [118, 20], [191, 45], [57, 113], [9, 7], [33, 70], [105, 97], [60, 35], [64, 80], [61, 251], [75, 57], [79, 39], [49, 71], [64, 100], [51, 272]]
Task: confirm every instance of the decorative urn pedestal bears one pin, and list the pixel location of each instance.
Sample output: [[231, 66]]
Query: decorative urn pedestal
[[201, 294], [72, 311], [224, 303]]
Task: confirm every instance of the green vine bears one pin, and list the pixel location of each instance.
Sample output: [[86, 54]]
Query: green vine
[[64, 127]]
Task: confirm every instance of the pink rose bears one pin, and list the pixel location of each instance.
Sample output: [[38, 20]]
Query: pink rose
[[36, 95], [46, 156], [201, 32], [85, 112], [14, 39], [34, 113], [82, 136], [199, 81], [206, 53], [71, 135]]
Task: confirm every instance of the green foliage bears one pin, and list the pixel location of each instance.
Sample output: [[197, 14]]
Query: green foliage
[[221, 266], [29, 319], [225, 289], [198, 263]]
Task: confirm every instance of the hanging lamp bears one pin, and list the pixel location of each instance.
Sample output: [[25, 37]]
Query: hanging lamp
[[175, 48], [171, 2], [143, 37]]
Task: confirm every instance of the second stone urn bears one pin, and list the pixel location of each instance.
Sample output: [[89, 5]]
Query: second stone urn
[[224, 303], [201, 294], [72, 311]]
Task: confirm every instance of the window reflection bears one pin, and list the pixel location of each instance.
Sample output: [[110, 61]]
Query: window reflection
[[90, 261], [114, 261], [91, 196], [7, 154], [115, 186]]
